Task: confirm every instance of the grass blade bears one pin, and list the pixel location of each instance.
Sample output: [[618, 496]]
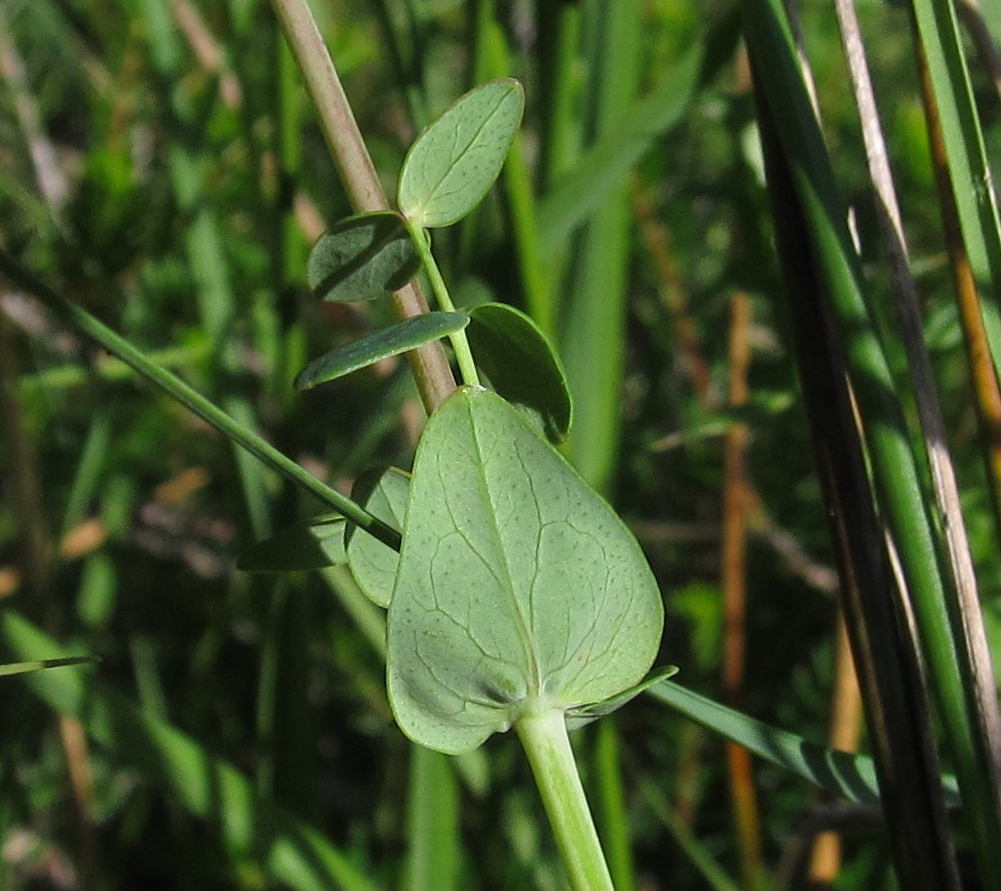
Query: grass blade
[[291, 851]]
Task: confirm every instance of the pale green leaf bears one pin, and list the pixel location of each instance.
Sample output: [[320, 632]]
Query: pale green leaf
[[362, 258], [399, 338], [519, 588], [455, 160], [522, 365], [313, 544], [585, 714], [373, 563]]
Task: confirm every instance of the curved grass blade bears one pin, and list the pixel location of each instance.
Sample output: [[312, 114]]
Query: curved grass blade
[[373, 564], [400, 338], [315, 544], [242, 435], [455, 160], [362, 258], [522, 365], [853, 776], [248, 825]]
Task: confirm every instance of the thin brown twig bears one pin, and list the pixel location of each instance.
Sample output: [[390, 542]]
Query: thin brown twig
[[743, 792]]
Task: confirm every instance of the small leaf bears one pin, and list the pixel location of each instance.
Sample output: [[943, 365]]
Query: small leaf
[[315, 544], [401, 337], [11, 668], [455, 160], [585, 714], [522, 365], [362, 258], [519, 589], [372, 563]]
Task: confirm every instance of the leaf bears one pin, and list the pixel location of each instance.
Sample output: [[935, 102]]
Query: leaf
[[12, 668], [518, 587], [362, 258], [314, 544], [372, 563], [401, 337], [853, 776], [585, 714], [455, 160], [522, 365]]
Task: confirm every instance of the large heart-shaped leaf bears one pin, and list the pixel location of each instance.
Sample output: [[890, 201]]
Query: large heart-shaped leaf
[[373, 563], [455, 160], [522, 365], [362, 258], [518, 589], [399, 338]]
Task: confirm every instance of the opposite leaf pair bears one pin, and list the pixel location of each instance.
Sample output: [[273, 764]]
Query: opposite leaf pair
[[517, 589]]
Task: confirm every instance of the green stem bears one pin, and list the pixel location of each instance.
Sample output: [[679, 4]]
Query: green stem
[[460, 343], [84, 322], [544, 736]]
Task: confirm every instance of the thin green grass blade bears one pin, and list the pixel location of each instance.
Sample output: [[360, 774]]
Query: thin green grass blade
[[432, 823], [894, 469], [603, 168], [969, 168], [717, 878], [84, 322], [12, 668], [851, 776], [291, 851], [593, 333]]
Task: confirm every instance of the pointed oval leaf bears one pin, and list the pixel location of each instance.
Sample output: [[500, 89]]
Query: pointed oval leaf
[[401, 337], [362, 258], [373, 564], [455, 160], [522, 365], [518, 587], [585, 714], [315, 544]]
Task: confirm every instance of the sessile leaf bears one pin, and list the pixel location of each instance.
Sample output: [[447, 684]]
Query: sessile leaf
[[518, 589]]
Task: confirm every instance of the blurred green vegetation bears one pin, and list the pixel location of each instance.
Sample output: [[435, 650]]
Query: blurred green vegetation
[[160, 165]]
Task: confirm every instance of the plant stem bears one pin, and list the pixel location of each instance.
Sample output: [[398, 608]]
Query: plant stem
[[460, 343], [544, 736], [429, 364], [84, 322]]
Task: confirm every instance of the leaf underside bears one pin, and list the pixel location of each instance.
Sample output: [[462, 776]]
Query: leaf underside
[[518, 586], [522, 365], [399, 338], [362, 258], [455, 160], [314, 544], [374, 564]]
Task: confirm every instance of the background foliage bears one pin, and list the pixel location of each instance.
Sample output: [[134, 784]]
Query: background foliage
[[160, 166]]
